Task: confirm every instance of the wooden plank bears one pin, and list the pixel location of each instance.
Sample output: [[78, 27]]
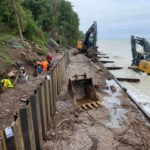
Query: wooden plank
[[43, 110], [10, 142], [105, 61], [51, 96], [47, 98], [103, 56], [1, 145], [134, 68], [114, 68], [2, 140], [56, 81], [58, 92], [46, 102], [36, 120], [18, 136], [38, 117], [59, 79], [84, 106], [54, 91], [89, 105], [94, 104], [25, 128], [31, 127], [128, 79]]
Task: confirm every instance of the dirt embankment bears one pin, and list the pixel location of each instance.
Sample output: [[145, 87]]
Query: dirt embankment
[[117, 124], [10, 99]]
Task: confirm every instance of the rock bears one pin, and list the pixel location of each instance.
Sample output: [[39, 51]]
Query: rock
[[112, 88]]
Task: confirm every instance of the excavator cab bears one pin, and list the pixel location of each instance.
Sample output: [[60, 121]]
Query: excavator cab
[[79, 45], [144, 65], [88, 45]]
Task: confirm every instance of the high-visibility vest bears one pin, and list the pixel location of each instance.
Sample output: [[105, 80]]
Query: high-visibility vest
[[7, 83], [44, 65]]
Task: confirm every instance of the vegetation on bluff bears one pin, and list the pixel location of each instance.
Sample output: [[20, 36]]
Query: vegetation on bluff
[[40, 20]]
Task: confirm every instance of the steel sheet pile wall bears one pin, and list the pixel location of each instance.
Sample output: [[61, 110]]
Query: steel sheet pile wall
[[35, 116]]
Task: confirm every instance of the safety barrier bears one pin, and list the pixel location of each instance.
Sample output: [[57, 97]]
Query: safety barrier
[[36, 114]]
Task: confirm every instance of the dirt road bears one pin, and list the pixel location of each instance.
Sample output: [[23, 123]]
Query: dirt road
[[117, 124]]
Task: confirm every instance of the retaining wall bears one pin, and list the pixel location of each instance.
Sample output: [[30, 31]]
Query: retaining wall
[[31, 123]]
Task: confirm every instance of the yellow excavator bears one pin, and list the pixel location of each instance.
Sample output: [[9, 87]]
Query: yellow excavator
[[88, 45], [141, 59]]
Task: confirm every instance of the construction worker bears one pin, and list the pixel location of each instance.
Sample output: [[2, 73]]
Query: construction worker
[[39, 69], [49, 60], [43, 64], [7, 83]]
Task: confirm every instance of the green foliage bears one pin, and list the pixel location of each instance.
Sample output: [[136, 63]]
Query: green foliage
[[56, 18], [6, 12], [42, 53]]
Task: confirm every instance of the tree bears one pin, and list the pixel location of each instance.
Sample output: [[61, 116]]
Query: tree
[[36, 18], [17, 20]]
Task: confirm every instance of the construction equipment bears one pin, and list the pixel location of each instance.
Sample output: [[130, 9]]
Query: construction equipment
[[88, 45], [82, 90], [141, 59]]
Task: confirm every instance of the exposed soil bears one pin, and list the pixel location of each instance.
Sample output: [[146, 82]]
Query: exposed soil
[[117, 124], [10, 99]]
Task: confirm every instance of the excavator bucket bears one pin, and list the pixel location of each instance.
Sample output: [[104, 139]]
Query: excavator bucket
[[82, 90]]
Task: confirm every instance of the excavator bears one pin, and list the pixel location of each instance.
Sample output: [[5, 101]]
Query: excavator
[[88, 45], [141, 59], [80, 86]]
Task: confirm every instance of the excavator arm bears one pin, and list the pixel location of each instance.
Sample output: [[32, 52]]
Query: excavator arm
[[138, 56], [141, 59], [88, 45], [91, 36]]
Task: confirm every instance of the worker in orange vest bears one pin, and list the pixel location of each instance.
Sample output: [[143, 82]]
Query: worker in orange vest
[[43, 64]]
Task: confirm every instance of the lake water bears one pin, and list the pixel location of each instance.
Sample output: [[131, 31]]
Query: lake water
[[120, 52]]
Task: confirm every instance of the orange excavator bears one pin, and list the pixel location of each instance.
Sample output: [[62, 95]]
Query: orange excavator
[[88, 45]]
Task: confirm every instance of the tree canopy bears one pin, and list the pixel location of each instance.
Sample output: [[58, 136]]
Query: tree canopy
[[42, 19]]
